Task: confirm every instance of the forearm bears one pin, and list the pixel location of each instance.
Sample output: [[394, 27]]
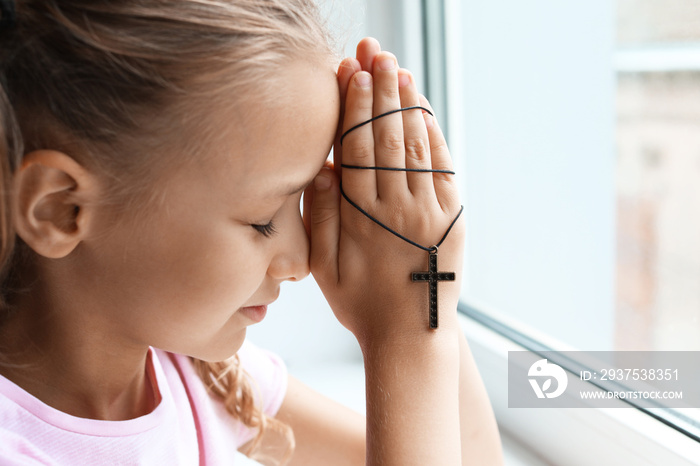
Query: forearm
[[413, 400], [481, 443]]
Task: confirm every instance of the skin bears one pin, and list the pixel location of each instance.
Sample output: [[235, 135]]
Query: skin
[[412, 373], [426, 403], [188, 269], [86, 338]]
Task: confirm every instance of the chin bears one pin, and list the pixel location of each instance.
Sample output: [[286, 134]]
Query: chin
[[218, 350]]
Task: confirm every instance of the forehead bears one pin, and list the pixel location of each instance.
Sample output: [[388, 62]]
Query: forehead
[[283, 138]]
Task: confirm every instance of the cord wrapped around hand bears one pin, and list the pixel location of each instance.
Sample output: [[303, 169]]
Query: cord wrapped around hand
[[432, 276]]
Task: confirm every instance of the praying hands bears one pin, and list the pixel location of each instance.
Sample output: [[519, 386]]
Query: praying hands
[[388, 205]]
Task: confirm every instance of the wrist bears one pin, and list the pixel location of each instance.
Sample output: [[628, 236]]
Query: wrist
[[416, 342], [412, 392]]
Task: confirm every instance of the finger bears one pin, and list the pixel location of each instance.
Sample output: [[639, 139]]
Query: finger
[[325, 227], [367, 49], [358, 145], [348, 67], [306, 209], [416, 139], [307, 200], [445, 185], [388, 130]]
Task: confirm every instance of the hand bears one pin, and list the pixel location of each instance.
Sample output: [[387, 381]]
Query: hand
[[363, 270]]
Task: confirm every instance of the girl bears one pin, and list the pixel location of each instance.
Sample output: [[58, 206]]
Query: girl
[[154, 154]]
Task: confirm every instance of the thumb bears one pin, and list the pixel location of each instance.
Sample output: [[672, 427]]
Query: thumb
[[325, 226]]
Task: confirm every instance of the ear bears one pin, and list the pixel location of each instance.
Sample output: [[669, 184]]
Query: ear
[[52, 206]]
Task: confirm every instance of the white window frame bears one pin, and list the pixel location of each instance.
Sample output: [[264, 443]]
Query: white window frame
[[574, 436], [666, 58]]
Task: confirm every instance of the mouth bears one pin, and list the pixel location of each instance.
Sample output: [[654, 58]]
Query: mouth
[[254, 313], [257, 312]]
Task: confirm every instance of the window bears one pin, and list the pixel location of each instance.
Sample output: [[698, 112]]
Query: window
[[577, 130], [575, 126], [658, 175]]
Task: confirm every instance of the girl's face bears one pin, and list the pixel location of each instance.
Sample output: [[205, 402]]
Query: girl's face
[[228, 231]]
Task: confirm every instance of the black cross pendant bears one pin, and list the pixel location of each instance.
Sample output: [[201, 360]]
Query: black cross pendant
[[432, 276]]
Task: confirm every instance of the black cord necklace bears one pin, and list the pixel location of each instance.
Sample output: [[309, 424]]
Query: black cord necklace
[[432, 276]]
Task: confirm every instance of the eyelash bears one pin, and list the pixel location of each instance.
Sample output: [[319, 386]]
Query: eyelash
[[266, 230]]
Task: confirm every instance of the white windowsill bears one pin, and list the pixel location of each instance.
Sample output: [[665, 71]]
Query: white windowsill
[[575, 436]]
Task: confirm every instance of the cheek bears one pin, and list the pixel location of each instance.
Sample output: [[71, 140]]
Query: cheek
[[209, 267], [197, 273]]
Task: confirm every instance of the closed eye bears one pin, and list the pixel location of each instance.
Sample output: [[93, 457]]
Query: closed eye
[[266, 230]]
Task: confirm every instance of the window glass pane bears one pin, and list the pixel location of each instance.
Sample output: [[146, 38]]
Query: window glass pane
[[537, 130], [658, 175], [578, 127]]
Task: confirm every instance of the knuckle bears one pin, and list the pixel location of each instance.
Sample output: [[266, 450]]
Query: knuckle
[[439, 146], [391, 141], [357, 107], [358, 148], [425, 223], [364, 104], [445, 178], [416, 148], [389, 93], [322, 215]]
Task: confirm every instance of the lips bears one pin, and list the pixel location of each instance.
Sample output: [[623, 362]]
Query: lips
[[254, 313], [257, 312]]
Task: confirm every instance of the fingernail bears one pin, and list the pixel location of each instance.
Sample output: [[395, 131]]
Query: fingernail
[[322, 183], [429, 120], [404, 79], [363, 79], [387, 64]]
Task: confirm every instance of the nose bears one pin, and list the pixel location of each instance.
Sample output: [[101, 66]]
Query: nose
[[291, 261]]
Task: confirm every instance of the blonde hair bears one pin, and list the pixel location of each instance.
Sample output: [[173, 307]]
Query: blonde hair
[[114, 82]]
